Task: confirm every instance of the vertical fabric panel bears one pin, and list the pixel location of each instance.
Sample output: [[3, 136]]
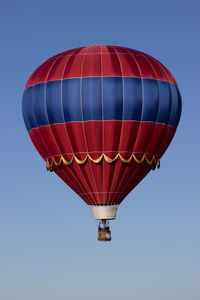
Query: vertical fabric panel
[[91, 99], [71, 100], [132, 99], [92, 66], [74, 66], [164, 102], [129, 65], [150, 100], [110, 64], [175, 106], [28, 109], [53, 102], [112, 98], [57, 69], [40, 104]]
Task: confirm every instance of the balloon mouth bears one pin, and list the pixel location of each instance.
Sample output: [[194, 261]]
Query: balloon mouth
[[104, 212]]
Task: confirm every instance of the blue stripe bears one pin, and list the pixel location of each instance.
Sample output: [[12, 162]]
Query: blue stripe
[[96, 98]]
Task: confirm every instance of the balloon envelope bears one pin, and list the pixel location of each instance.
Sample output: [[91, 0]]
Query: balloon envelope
[[101, 117]]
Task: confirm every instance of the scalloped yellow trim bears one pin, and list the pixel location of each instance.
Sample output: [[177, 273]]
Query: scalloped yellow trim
[[99, 159]]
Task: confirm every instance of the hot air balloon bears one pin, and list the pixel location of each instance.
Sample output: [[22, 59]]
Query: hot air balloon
[[101, 117]]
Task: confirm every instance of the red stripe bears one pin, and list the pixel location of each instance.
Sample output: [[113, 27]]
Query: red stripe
[[102, 183], [70, 138], [133, 64]]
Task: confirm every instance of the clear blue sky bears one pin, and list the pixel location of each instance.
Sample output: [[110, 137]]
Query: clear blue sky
[[48, 237]]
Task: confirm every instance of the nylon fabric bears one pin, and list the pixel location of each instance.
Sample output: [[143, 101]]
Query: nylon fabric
[[109, 64], [101, 117], [89, 174], [152, 93], [77, 172]]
